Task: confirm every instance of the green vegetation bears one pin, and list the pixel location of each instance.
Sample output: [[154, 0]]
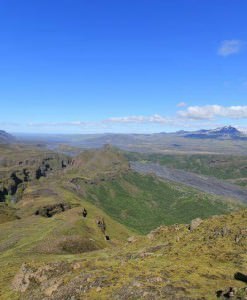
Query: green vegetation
[[144, 202]]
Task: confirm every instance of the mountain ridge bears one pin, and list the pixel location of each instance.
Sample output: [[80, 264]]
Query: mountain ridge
[[6, 138], [225, 132]]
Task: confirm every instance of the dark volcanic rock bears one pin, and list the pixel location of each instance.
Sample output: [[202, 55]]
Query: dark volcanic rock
[[17, 173], [50, 210]]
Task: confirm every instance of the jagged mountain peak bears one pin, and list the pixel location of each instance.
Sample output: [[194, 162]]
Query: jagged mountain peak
[[226, 130]]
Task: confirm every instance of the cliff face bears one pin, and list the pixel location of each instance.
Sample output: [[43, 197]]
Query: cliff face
[[19, 165]]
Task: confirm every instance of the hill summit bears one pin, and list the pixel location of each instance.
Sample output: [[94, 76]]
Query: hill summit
[[5, 137], [105, 160]]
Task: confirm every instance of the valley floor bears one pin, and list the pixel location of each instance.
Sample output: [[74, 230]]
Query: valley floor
[[204, 183]]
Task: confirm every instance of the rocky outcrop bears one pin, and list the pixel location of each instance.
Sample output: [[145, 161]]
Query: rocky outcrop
[[101, 224], [12, 186], [232, 293], [50, 210], [132, 239]]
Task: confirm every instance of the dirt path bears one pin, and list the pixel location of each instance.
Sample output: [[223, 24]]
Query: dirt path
[[206, 184]]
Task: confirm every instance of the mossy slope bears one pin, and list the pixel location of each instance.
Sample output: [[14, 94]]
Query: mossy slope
[[170, 263]]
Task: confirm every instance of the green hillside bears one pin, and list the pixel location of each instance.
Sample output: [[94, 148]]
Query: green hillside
[[144, 202]]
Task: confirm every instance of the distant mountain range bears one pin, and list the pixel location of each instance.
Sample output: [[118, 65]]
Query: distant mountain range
[[226, 139]]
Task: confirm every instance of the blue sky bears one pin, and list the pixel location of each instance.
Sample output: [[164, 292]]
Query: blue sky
[[122, 66]]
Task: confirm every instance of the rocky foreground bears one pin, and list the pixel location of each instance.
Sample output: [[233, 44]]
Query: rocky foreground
[[203, 260]]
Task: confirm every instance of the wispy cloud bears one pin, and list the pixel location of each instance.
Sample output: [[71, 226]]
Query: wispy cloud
[[212, 111], [171, 121], [191, 117], [229, 47], [181, 104], [10, 124], [139, 119], [59, 124], [126, 121]]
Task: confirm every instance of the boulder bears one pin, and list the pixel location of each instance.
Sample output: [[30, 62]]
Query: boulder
[[132, 239], [195, 223]]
